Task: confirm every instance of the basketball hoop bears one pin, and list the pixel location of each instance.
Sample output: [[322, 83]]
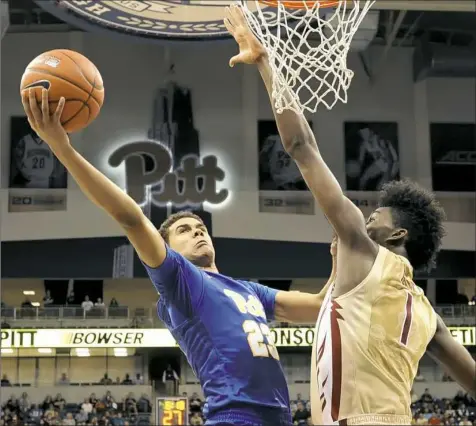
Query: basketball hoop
[[306, 72]]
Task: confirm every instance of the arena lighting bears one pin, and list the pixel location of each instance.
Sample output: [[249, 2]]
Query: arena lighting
[[82, 352], [120, 352], [6, 351], [45, 350], [35, 304], [28, 292]]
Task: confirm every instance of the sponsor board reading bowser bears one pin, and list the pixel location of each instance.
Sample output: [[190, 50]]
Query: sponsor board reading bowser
[[150, 338]]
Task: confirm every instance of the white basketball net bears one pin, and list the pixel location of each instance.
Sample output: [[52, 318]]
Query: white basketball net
[[306, 72]]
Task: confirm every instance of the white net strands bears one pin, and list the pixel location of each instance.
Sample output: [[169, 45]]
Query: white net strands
[[307, 49]]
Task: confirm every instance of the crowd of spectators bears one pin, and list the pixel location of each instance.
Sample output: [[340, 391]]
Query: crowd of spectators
[[459, 410], [94, 411], [105, 380]]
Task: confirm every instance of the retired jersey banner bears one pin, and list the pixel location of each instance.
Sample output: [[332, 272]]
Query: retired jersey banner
[[157, 337], [281, 186], [453, 156], [371, 155], [38, 180]]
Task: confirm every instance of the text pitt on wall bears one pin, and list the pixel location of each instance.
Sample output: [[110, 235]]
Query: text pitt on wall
[[150, 176]]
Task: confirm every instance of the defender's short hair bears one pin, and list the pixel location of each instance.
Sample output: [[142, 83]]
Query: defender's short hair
[[167, 223], [416, 210]]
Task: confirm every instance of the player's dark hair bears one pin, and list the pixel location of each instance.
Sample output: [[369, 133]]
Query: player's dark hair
[[416, 210], [167, 223]]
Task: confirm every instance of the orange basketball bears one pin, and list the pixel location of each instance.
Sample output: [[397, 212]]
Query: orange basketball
[[70, 75]]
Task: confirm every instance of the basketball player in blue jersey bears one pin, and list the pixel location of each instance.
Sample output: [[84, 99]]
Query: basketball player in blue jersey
[[220, 323]]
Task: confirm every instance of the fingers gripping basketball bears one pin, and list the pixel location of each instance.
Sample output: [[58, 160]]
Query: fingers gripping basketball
[[67, 74]]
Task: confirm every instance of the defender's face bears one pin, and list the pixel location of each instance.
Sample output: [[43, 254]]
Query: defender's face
[[380, 225], [190, 238]]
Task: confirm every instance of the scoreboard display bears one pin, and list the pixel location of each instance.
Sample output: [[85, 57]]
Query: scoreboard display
[[171, 411]]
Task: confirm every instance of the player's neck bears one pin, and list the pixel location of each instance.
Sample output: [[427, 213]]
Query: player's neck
[[400, 250]]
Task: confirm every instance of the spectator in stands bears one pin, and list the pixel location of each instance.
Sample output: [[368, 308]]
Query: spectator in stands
[[82, 416], [139, 380], [436, 418], [195, 404], [48, 300], [35, 414], [426, 396], [71, 298], [118, 381], [87, 305], [301, 415], [462, 411], [114, 303], [69, 420], [63, 381], [130, 404], [117, 419], [420, 420], [12, 404], [170, 379], [59, 402], [47, 402], [5, 382], [143, 405], [127, 380], [27, 303], [87, 407], [446, 377], [99, 304], [24, 404], [110, 402], [50, 415], [106, 380], [196, 419], [93, 399], [465, 422]]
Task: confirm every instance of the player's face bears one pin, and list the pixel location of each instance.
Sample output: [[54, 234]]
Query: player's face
[[190, 238], [381, 228]]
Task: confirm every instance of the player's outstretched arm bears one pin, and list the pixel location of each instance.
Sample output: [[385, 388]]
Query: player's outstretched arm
[[454, 358], [97, 187], [298, 140]]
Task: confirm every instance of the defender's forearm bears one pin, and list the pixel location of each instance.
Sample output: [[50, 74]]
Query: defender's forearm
[[99, 189], [293, 128]]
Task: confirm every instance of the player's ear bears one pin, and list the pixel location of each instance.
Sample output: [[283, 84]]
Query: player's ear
[[397, 237]]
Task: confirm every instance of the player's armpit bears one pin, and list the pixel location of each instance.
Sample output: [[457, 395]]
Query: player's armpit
[[454, 358], [147, 242], [297, 307]]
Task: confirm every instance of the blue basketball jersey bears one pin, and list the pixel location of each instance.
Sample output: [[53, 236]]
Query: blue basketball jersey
[[221, 325]]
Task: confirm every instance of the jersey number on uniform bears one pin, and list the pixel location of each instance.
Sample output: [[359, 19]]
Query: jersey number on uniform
[[259, 335]]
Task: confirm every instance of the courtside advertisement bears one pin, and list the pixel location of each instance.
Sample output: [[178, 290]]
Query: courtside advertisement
[[157, 338]]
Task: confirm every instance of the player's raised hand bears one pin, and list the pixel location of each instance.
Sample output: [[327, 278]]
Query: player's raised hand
[[251, 50], [47, 126]]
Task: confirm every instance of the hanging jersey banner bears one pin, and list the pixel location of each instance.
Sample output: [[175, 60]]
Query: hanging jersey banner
[[371, 155], [281, 186], [38, 180]]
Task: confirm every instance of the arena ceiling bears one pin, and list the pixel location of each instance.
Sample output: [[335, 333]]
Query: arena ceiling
[[447, 22]]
